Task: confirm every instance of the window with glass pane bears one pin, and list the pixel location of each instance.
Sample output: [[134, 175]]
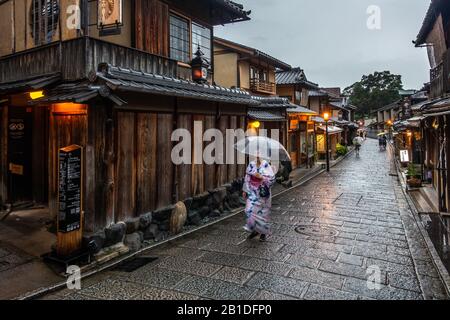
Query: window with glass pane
[[201, 36], [179, 39]]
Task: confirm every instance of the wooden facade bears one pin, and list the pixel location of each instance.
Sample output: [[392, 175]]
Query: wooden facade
[[126, 136]]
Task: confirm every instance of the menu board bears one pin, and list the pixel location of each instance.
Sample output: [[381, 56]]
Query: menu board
[[69, 196]]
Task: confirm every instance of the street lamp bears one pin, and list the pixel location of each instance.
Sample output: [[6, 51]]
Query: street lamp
[[326, 117], [200, 66]]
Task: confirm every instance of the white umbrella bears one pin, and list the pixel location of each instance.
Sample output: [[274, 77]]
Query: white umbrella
[[358, 141], [262, 147]]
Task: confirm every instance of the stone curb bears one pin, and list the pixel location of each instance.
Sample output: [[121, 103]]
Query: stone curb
[[47, 290], [442, 271]]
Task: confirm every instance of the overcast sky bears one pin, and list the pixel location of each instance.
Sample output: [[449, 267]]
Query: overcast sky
[[330, 39]]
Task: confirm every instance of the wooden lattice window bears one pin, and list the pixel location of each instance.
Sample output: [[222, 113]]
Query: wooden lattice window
[[44, 20]]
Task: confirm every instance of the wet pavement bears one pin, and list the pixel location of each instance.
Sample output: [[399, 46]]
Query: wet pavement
[[348, 234]]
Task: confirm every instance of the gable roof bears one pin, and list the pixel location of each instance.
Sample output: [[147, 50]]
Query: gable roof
[[333, 92], [252, 52], [393, 105], [429, 21], [233, 12], [112, 79], [294, 76]]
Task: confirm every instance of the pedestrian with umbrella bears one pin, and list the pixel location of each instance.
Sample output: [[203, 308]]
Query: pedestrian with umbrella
[[358, 141], [259, 179]]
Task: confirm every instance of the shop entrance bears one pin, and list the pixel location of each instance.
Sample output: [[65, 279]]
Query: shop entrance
[[27, 155], [19, 154]]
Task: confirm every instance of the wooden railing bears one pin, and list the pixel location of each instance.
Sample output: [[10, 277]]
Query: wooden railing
[[74, 59], [437, 81], [439, 77], [262, 86]]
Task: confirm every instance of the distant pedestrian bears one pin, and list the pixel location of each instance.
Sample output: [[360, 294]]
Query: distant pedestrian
[[357, 142], [257, 191], [382, 142]]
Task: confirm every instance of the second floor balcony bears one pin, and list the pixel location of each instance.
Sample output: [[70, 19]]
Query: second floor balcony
[[439, 77], [262, 86], [76, 59]]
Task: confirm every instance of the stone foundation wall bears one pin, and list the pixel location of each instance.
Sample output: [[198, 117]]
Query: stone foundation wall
[[165, 222]]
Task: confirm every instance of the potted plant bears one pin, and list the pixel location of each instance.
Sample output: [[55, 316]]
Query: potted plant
[[413, 178]]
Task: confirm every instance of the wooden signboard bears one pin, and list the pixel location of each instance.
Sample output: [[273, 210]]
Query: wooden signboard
[[70, 211], [110, 13]]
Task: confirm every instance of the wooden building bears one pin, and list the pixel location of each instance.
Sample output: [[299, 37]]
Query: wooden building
[[249, 69], [435, 114], [294, 86], [116, 90]]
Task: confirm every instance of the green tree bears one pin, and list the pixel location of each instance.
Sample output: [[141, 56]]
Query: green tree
[[374, 91]]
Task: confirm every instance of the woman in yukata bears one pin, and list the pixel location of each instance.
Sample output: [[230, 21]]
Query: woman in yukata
[[259, 179]]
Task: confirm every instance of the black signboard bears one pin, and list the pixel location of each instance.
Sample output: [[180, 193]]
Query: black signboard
[[70, 173]]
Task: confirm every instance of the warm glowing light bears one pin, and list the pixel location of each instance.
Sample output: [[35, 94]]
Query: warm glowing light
[[197, 74], [256, 124], [389, 122], [409, 133], [326, 116], [36, 95], [69, 108]]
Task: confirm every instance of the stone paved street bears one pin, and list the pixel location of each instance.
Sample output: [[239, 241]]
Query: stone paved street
[[326, 234]]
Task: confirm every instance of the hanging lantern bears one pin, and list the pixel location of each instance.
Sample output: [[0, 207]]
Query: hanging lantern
[[200, 66]]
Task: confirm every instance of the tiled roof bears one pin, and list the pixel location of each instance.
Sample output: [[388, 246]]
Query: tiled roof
[[393, 105], [34, 83], [318, 93], [294, 76], [436, 107], [331, 129], [120, 79], [333, 92], [338, 105], [226, 11], [340, 122], [407, 92], [429, 21], [237, 7], [419, 106], [79, 92], [266, 115], [273, 102], [318, 119], [302, 110]]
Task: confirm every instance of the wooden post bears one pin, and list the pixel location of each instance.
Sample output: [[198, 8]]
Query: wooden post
[[3, 154], [109, 161]]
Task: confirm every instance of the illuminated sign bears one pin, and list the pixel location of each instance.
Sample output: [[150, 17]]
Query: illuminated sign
[[404, 156]]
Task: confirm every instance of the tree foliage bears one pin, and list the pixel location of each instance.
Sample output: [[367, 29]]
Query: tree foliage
[[374, 91]]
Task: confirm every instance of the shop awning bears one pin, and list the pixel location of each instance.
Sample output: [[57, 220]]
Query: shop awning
[[318, 119], [30, 84], [127, 80], [265, 115], [438, 107], [79, 92], [331, 129], [340, 122]]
